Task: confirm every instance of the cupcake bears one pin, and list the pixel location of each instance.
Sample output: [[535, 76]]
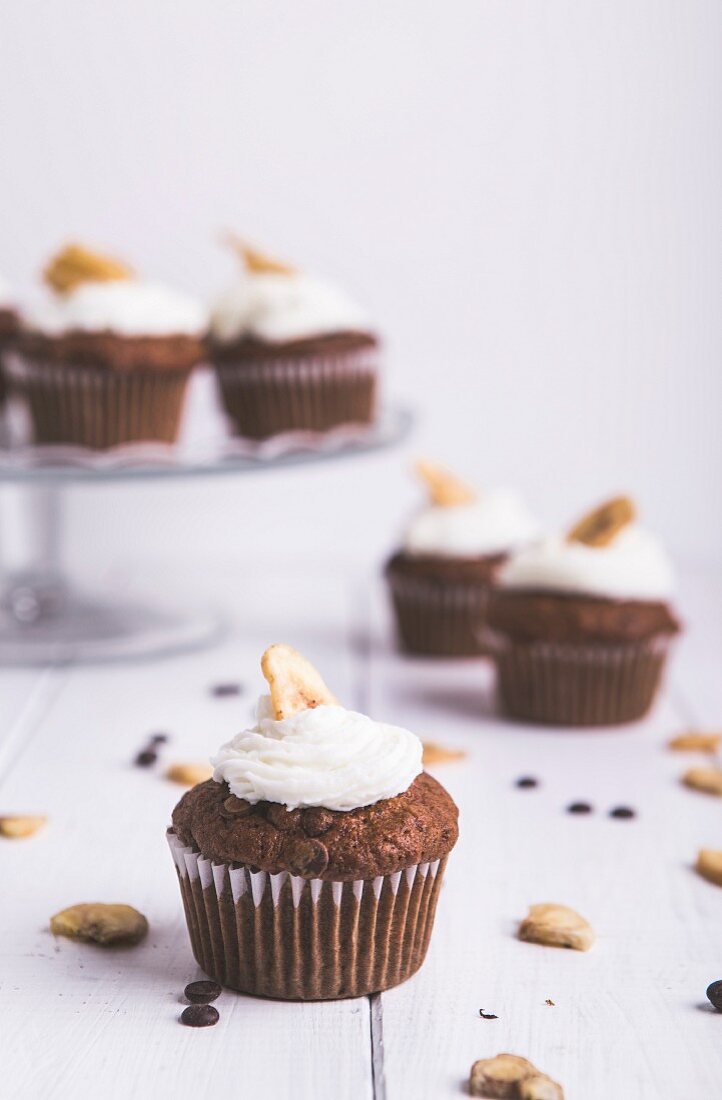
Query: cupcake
[[106, 358], [581, 625], [310, 864], [9, 325], [292, 353], [453, 547]]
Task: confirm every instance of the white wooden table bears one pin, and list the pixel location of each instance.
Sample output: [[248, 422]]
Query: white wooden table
[[629, 1019]]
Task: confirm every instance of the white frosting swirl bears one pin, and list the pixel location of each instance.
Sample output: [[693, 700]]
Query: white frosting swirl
[[327, 756], [634, 566], [129, 307], [498, 521], [278, 308]]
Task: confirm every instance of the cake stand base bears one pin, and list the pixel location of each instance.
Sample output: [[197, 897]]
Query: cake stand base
[[42, 624]]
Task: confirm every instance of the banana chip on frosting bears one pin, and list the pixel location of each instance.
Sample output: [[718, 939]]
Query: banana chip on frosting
[[602, 525], [444, 488], [255, 261], [294, 682], [75, 265]]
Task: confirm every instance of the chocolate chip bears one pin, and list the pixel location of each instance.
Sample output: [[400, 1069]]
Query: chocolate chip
[[714, 994], [282, 818], [622, 813], [145, 758], [202, 993], [579, 808], [237, 806], [223, 691], [487, 1015], [526, 782], [316, 821], [199, 1016], [307, 857]]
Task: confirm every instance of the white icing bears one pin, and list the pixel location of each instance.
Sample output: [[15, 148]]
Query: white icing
[[129, 307], [634, 566], [278, 308], [327, 756], [498, 521]]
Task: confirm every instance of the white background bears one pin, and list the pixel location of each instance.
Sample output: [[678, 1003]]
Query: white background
[[526, 195]]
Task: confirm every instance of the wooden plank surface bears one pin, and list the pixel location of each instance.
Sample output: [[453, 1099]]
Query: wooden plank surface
[[628, 1019]]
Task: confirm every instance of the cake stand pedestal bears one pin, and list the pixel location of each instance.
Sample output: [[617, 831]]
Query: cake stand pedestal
[[45, 619]]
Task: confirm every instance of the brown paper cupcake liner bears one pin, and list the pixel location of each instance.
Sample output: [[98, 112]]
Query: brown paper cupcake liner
[[440, 620], [313, 392], [299, 939], [98, 407], [578, 685]]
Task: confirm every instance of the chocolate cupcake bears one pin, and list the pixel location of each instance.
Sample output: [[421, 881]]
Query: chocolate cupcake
[[440, 581], [580, 626], [106, 359], [292, 353], [310, 864]]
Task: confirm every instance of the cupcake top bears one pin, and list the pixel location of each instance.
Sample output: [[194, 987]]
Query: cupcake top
[[93, 293], [461, 522], [607, 554], [317, 790], [273, 303]]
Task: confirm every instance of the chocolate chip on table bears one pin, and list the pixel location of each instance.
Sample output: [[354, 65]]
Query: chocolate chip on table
[[223, 691], [622, 813], [579, 808], [487, 1015], [239, 807], [199, 1016], [714, 994], [526, 782], [316, 821], [307, 857], [202, 993], [145, 758]]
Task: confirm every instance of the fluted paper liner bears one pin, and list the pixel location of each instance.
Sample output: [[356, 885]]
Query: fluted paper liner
[[578, 685], [304, 392], [440, 618], [99, 407], [282, 936]]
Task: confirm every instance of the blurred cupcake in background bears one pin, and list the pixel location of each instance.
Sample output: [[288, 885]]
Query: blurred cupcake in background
[[292, 352], [582, 623], [453, 547], [106, 357], [9, 326]]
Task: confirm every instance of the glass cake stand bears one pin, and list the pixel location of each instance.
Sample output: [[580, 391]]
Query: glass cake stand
[[45, 619]]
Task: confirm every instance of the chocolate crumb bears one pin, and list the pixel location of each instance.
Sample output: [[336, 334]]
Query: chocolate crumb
[[202, 993], [224, 691], [527, 782], [579, 808], [199, 1016], [714, 994], [549, 1002], [283, 819], [237, 806], [159, 739], [146, 758], [316, 821], [487, 1015], [307, 857], [622, 813]]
